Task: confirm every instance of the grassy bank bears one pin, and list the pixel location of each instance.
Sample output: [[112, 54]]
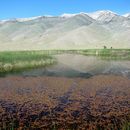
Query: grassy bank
[[108, 54], [19, 60], [15, 61], [103, 53]]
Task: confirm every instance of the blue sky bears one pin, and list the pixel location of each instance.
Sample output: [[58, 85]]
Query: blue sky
[[29, 8]]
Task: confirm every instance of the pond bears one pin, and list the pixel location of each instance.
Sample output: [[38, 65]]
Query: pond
[[75, 65], [77, 92]]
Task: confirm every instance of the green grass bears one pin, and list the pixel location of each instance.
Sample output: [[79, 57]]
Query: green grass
[[14, 61], [19, 60], [103, 53], [108, 54], [126, 126]]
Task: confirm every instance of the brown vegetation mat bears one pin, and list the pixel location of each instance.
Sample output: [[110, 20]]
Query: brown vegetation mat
[[45, 103]]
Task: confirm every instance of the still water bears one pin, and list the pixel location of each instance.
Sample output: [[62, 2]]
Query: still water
[[43, 102], [72, 65]]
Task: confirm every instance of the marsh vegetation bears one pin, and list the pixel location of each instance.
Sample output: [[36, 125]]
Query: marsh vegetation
[[48, 103], [22, 60], [15, 61], [65, 89]]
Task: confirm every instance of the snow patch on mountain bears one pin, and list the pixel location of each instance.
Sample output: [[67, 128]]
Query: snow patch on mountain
[[67, 15], [24, 19], [27, 19], [127, 15], [104, 15]]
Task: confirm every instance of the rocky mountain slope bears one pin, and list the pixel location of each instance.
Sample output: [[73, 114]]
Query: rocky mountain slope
[[68, 31]]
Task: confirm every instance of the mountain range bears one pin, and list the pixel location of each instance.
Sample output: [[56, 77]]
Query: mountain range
[[68, 31]]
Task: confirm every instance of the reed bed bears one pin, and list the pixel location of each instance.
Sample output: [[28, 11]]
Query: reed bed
[[14, 61], [18, 60]]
